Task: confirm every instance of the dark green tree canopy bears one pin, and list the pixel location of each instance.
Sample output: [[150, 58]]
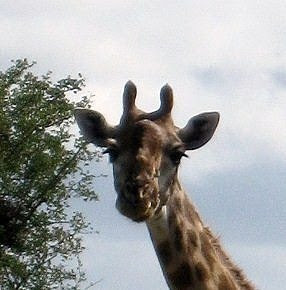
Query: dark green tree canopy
[[42, 167]]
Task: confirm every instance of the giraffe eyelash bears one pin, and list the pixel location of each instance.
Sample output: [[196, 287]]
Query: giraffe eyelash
[[176, 156]]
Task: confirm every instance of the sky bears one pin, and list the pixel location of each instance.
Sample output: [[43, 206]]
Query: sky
[[226, 56]]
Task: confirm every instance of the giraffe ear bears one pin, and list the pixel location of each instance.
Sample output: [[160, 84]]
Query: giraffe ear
[[199, 130], [93, 127]]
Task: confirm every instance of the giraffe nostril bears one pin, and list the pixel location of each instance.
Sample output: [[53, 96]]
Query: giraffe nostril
[[130, 192], [135, 193]]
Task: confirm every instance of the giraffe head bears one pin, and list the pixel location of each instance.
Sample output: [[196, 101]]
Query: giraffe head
[[145, 150]]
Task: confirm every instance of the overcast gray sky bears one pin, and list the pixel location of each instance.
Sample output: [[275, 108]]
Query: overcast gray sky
[[228, 56]]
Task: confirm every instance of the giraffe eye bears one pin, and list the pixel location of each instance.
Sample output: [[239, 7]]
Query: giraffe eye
[[176, 156], [113, 153]]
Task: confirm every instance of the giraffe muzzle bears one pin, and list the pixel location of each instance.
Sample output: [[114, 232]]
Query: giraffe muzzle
[[138, 202]]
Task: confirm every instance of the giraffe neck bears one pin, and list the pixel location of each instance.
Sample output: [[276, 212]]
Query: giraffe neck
[[189, 255]]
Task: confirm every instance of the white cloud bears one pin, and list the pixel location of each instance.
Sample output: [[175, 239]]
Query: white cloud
[[262, 262]]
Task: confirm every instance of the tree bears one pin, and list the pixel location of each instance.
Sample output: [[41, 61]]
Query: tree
[[43, 166]]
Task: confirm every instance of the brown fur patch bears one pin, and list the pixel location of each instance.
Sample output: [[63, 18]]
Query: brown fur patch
[[171, 219], [177, 203], [190, 212], [178, 238], [165, 252], [207, 250], [225, 283], [182, 277], [192, 240], [202, 272]]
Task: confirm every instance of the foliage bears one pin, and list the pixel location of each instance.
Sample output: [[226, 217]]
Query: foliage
[[42, 167]]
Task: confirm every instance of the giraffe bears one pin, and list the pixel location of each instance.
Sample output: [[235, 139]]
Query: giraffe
[[145, 150]]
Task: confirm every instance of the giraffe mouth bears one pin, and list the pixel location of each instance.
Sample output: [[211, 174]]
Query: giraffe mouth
[[140, 211]]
